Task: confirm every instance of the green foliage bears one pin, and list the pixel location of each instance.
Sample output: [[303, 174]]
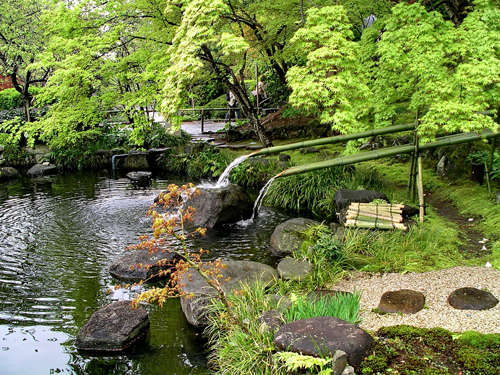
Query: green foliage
[[13, 153], [448, 74], [253, 173], [314, 191], [412, 350], [483, 157], [342, 306], [331, 84], [294, 361]]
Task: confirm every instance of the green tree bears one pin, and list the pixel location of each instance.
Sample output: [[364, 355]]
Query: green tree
[[331, 84], [447, 74], [21, 42]]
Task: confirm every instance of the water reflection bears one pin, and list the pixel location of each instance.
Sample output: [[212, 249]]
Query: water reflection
[[58, 237]]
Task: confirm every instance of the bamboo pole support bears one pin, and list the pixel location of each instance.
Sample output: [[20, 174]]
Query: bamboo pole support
[[420, 189], [367, 224], [393, 218]]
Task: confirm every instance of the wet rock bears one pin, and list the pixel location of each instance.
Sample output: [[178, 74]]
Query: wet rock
[[344, 197], [294, 269], [472, 299], [404, 301], [43, 170], [113, 328], [286, 236], [308, 336], [121, 267], [270, 321], [238, 271], [224, 205], [8, 173], [140, 178]]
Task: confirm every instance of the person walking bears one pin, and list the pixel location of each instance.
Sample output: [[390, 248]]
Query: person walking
[[233, 106], [261, 92]]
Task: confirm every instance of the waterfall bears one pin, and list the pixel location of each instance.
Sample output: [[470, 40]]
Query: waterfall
[[224, 177], [260, 198]]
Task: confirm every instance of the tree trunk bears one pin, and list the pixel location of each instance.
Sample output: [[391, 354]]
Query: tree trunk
[[458, 10]]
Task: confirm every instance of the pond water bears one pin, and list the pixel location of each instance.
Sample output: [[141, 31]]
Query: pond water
[[58, 237]]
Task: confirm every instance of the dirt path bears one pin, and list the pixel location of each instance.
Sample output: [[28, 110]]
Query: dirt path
[[471, 246]]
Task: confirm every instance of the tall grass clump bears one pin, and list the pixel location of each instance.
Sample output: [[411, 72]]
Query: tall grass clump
[[251, 351], [344, 306], [314, 191]]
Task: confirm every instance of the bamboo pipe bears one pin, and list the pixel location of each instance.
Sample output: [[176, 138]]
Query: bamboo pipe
[[336, 139], [390, 151], [420, 189]]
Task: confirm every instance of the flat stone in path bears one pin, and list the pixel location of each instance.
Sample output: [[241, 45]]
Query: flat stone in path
[[404, 301], [326, 333], [472, 299], [238, 271], [113, 328], [121, 267]]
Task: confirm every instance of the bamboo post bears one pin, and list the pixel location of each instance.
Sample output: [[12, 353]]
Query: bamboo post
[[487, 170], [420, 189], [256, 87], [202, 120]]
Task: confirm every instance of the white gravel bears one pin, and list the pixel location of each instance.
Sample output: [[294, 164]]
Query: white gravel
[[436, 287]]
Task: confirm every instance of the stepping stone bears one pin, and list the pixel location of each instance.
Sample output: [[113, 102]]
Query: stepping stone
[[308, 150], [472, 299], [294, 269], [284, 157], [404, 301], [237, 147], [326, 334], [254, 147], [123, 267], [139, 176], [113, 328]]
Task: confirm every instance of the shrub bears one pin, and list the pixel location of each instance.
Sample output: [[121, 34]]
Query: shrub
[[11, 98]]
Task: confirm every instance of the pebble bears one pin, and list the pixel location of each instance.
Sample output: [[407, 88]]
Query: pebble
[[436, 286]]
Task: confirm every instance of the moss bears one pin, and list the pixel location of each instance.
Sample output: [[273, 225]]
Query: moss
[[411, 350]]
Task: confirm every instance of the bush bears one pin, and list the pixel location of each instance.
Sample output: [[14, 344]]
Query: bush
[[11, 98]]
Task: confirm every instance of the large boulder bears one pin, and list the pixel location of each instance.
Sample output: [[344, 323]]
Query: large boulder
[[135, 160], [123, 267], [43, 170], [294, 269], [225, 205], [344, 197], [325, 333], [8, 173], [238, 271], [113, 328], [286, 237]]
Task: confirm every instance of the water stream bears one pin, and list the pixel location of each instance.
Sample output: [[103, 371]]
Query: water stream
[[58, 237]]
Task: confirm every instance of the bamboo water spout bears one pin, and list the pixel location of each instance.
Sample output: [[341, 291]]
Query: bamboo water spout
[[336, 139], [390, 151]]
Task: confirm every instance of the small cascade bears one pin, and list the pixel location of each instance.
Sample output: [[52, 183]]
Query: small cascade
[[224, 177], [260, 198]]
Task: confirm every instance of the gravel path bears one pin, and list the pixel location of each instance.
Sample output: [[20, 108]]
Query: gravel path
[[436, 286]]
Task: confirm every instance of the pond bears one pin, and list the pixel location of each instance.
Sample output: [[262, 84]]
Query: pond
[[58, 237]]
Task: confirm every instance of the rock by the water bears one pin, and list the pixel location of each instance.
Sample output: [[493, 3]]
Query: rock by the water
[[135, 160], [270, 321], [8, 173], [113, 328], [307, 336], [339, 362], [286, 238], [238, 271], [121, 267], [224, 205], [140, 176], [472, 299], [404, 301], [344, 197], [294, 269], [43, 170]]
